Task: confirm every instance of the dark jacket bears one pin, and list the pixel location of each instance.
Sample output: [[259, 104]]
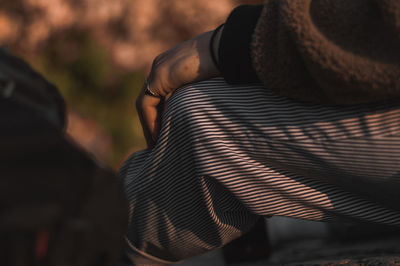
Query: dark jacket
[[329, 51]]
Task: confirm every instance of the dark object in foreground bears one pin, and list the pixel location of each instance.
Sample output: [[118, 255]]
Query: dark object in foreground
[[58, 206], [252, 246]]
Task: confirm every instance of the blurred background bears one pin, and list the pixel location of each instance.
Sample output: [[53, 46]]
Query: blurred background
[[98, 53]]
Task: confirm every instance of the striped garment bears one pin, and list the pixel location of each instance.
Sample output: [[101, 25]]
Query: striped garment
[[228, 154]]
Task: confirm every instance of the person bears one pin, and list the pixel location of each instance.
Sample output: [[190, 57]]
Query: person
[[290, 108]]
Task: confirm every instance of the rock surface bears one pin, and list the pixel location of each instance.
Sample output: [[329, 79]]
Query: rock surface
[[339, 244]]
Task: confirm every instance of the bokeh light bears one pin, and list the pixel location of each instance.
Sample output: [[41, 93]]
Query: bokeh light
[[98, 52]]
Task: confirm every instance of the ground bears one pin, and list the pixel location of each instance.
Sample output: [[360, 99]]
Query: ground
[[297, 242]]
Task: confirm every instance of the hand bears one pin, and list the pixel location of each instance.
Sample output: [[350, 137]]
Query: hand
[[185, 63]]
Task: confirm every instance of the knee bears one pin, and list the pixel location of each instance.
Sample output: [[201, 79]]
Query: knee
[[186, 104]]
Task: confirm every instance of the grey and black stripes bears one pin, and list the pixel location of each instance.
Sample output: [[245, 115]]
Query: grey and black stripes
[[229, 153]]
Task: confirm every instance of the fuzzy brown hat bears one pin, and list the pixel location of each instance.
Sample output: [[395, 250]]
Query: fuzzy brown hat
[[335, 51]]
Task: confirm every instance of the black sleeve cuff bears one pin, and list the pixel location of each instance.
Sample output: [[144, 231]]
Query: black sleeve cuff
[[234, 47]]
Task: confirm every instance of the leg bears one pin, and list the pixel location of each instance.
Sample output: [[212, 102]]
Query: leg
[[176, 210], [226, 153]]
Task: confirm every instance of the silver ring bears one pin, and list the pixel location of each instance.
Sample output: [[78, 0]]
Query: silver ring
[[147, 90]]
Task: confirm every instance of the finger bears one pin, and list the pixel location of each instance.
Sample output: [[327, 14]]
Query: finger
[[146, 132], [164, 105], [152, 118], [149, 117]]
